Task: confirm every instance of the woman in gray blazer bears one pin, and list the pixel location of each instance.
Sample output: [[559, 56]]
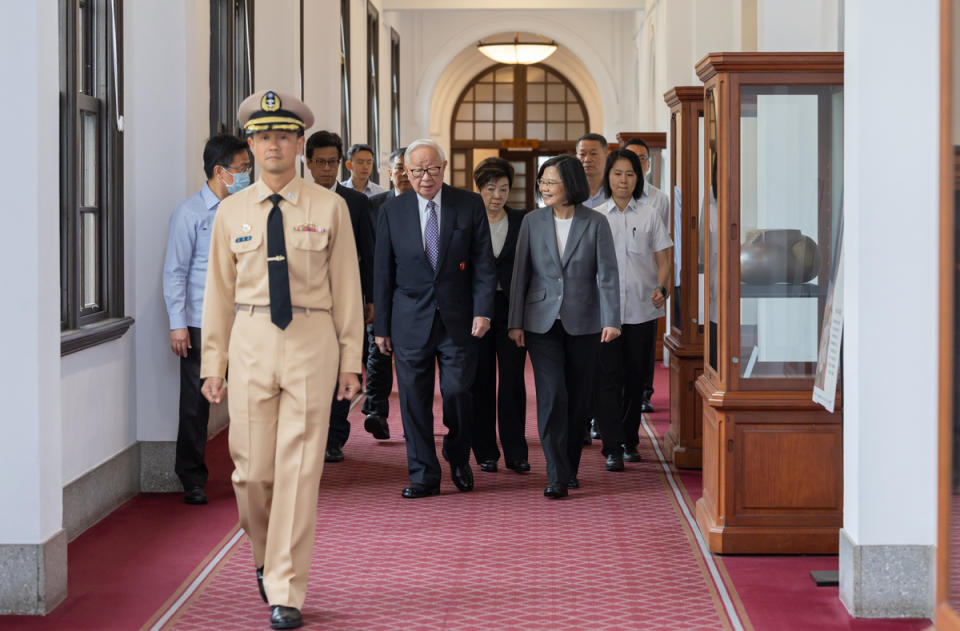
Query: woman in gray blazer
[[564, 302]]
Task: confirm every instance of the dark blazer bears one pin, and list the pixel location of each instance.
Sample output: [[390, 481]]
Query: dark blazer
[[504, 262], [581, 286], [408, 292], [376, 201], [359, 206]]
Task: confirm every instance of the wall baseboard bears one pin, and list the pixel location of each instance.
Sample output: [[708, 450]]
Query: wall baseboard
[[33, 577]]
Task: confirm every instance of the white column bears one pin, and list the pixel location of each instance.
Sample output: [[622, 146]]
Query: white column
[[890, 345], [33, 562]]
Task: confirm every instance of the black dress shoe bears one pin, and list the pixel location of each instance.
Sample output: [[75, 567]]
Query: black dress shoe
[[520, 466], [263, 592], [418, 490], [462, 476], [377, 425], [196, 495], [488, 466], [615, 462], [285, 617], [573, 482], [646, 408], [555, 491], [630, 453], [334, 454], [594, 429]]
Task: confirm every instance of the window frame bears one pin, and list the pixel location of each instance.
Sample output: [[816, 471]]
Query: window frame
[[373, 87], [82, 327], [231, 62], [394, 89]]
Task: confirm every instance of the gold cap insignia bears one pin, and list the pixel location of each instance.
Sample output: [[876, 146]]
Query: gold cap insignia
[[270, 102]]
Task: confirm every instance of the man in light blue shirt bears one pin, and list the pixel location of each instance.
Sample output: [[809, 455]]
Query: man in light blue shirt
[[360, 165], [226, 163], [592, 150]]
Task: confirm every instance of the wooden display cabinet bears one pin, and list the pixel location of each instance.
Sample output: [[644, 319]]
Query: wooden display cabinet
[[772, 459], [684, 341]]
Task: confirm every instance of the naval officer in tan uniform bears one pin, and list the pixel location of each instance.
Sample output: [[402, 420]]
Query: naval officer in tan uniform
[[283, 307]]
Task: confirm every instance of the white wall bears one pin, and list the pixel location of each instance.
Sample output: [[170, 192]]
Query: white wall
[[811, 25], [890, 243], [30, 478], [164, 95]]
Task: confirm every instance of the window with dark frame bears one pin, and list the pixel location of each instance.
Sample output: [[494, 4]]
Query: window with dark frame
[[373, 87], [91, 172], [231, 62], [394, 89], [344, 80]]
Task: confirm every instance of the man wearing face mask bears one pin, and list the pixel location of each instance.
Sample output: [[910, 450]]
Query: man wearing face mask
[[226, 164]]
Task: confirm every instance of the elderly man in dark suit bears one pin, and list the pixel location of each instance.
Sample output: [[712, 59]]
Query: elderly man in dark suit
[[433, 294], [324, 151]]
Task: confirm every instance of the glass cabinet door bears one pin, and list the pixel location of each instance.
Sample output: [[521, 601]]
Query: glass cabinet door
[[710, 201], [791, 161]]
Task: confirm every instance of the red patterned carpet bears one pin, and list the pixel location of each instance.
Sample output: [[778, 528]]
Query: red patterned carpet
[[615, 555]]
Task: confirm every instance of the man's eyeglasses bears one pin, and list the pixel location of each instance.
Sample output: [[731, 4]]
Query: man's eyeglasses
[[419, 173], [319, 162]]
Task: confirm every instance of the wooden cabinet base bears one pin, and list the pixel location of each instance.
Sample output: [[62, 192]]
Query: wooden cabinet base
[[723, 539], [772, 473], [683, 442]]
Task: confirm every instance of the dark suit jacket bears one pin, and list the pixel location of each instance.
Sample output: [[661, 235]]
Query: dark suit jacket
[[376, 201], [408, 292], [581, 285], [359, 206], [504, 261]]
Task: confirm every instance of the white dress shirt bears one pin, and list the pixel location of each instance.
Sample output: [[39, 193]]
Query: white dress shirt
[[371, 189], [638, 233], [425, 214]]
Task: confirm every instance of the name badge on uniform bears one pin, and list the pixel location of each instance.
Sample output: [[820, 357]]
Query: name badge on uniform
[[308, 227], [242, 239]]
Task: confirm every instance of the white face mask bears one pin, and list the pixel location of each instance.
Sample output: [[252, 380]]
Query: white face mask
[[240, 181]]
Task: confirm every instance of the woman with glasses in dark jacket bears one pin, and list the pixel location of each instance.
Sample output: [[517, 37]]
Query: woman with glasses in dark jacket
[[499, 391], [564, 302]]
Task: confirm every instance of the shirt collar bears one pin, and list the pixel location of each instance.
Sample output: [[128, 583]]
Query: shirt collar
[[290, 192], [610, 206], [210, 198], [422, 202]]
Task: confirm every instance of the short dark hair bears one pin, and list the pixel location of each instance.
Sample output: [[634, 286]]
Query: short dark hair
[[638, 141], [492, 169], [571, 174], [321, 139], [396, 153], [594, 137], [220, 150], [634, 160], [356, 148]]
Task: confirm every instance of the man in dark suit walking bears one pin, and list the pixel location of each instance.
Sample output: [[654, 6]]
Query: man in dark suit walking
[[433, 294], [376, 406], [323, 152]]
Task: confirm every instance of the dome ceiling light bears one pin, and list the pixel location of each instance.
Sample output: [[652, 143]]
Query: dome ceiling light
[[517, 52]]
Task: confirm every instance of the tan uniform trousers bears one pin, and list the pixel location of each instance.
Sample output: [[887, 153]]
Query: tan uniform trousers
[[279, 399]]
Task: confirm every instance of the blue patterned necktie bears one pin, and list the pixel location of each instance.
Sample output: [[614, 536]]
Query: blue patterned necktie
[[431, 235]]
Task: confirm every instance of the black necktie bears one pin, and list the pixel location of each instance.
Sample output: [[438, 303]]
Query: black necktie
[[281, 312]]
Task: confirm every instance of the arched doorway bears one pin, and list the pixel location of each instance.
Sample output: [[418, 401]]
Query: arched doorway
[[524, 114]]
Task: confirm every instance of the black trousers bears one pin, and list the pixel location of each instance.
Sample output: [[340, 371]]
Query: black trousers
[[624, 369], [563, 370], [499, 402], [194, 416], [415, 383], [379, 378], [650, 356]]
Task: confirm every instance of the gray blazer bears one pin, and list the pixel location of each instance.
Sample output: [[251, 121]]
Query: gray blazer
[[581, 287]]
